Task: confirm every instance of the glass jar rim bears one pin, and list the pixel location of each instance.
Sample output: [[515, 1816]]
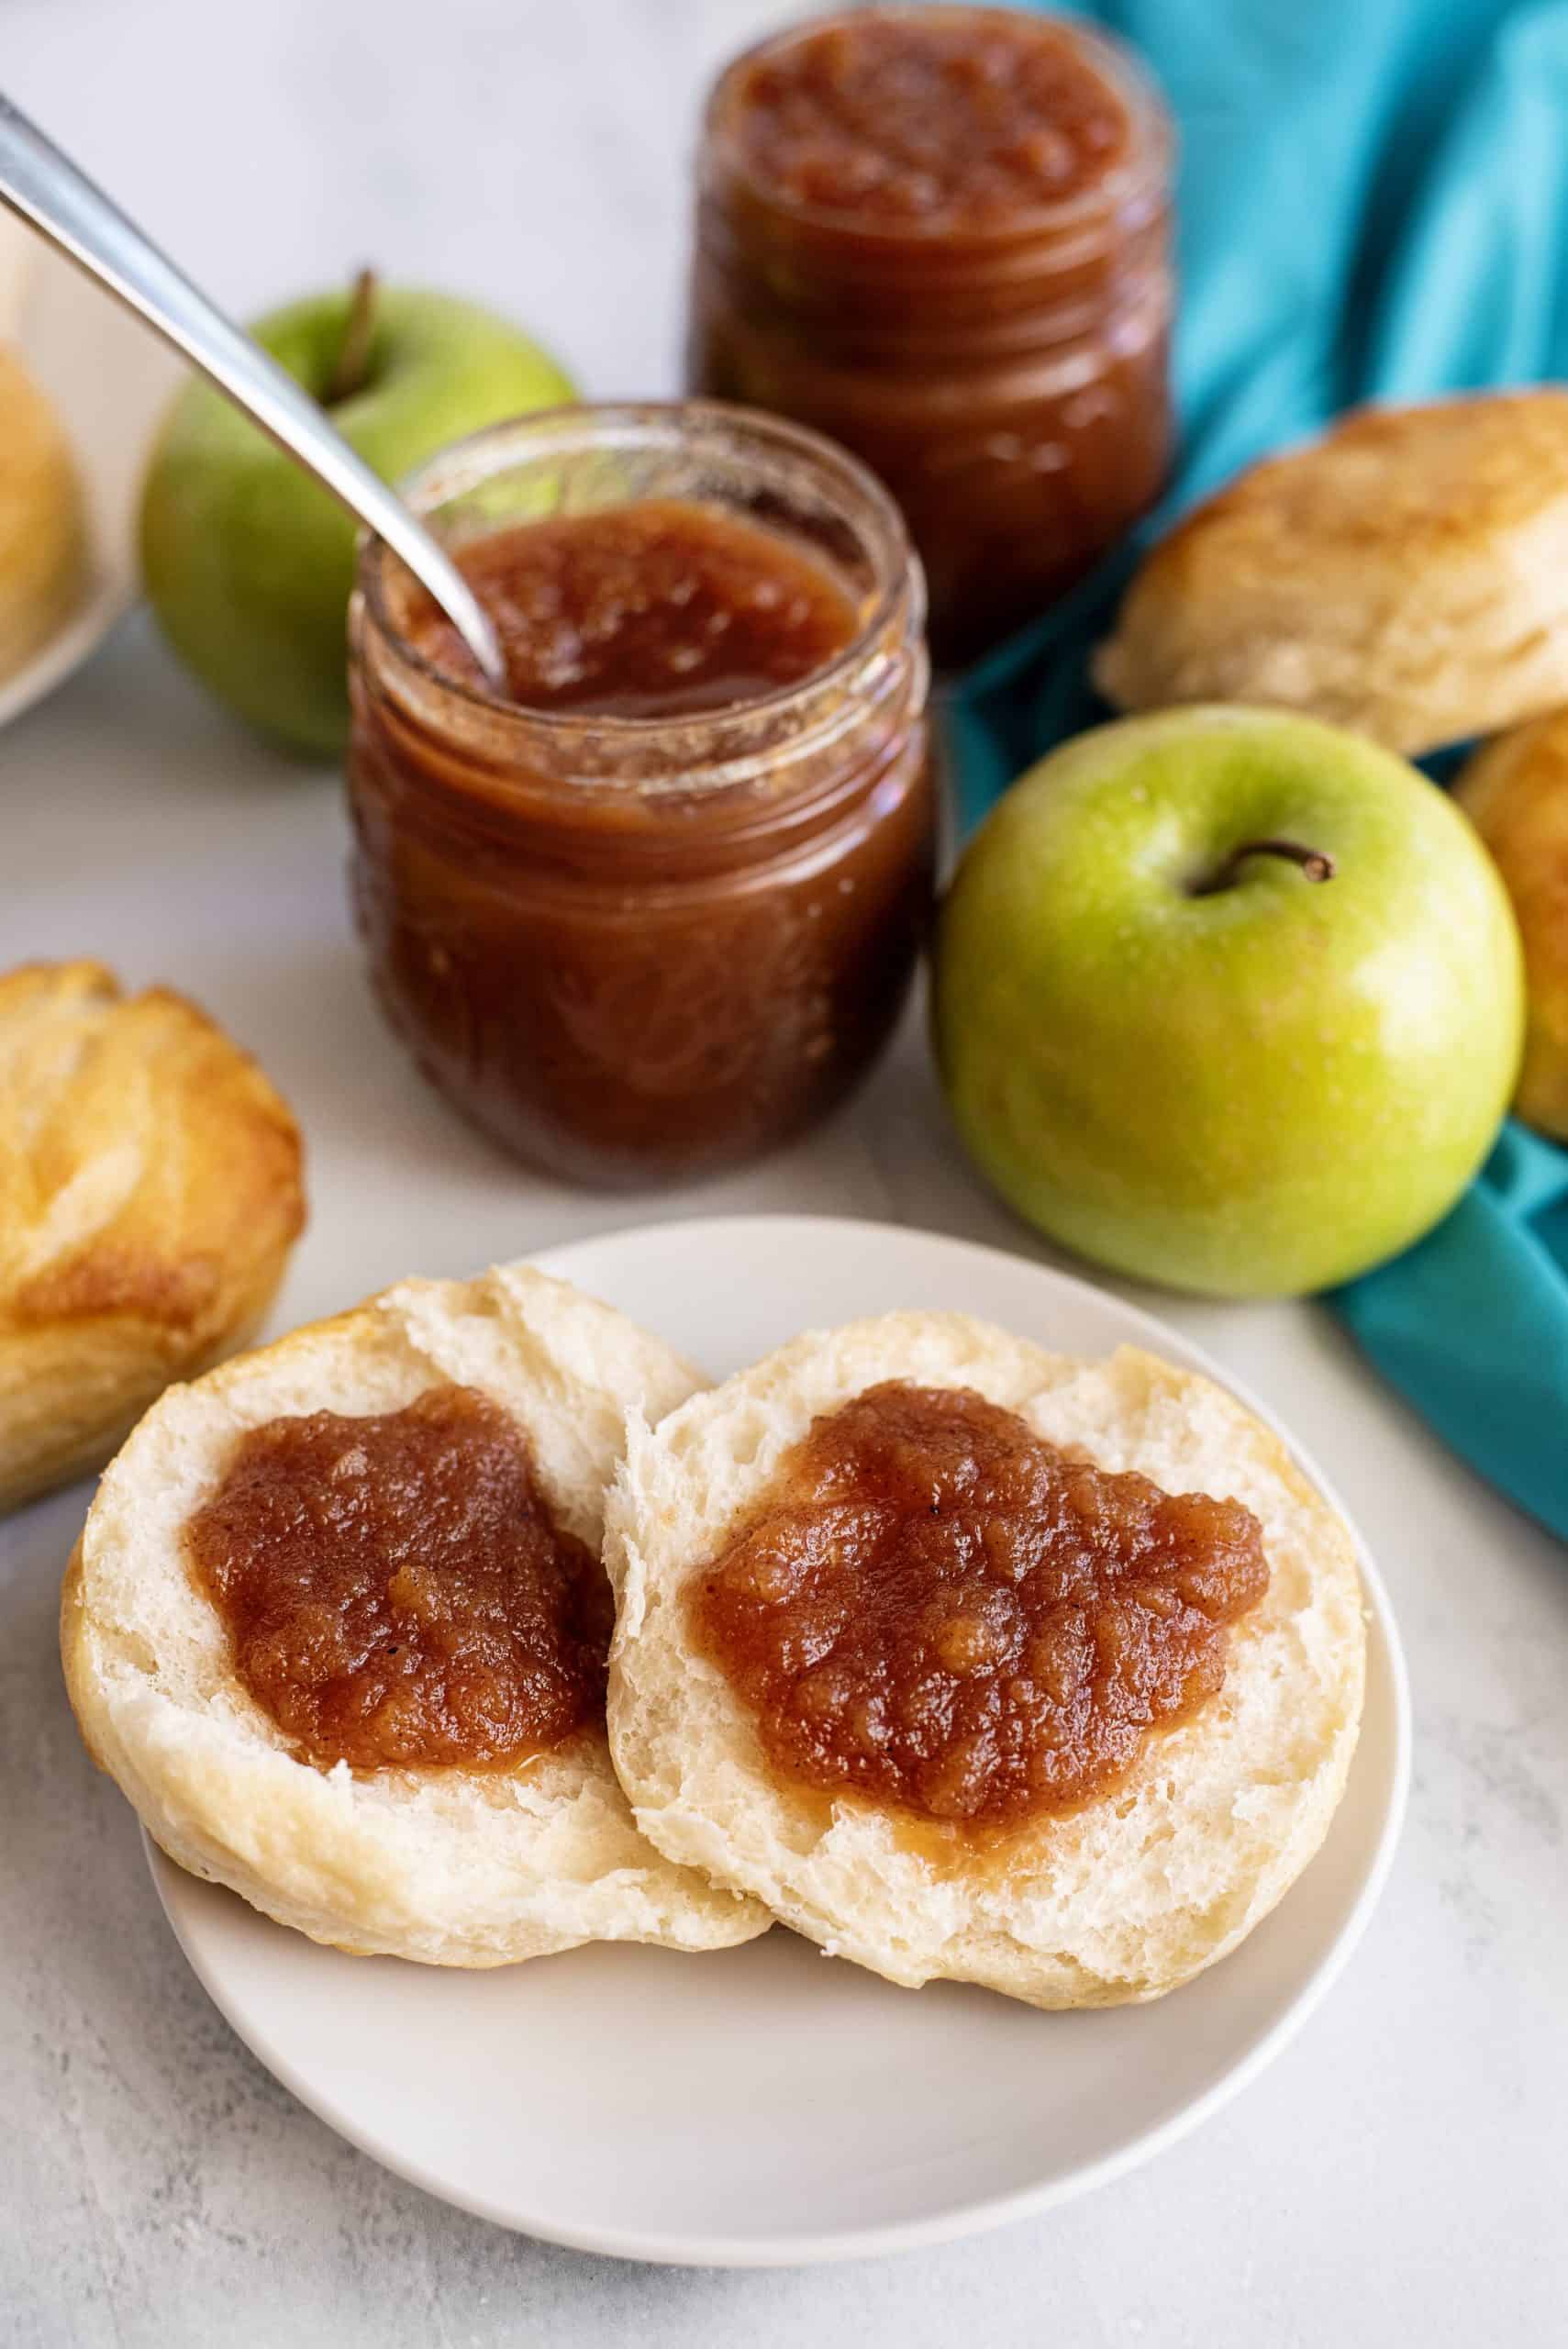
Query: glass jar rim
[[462, 465], [1150, 154]]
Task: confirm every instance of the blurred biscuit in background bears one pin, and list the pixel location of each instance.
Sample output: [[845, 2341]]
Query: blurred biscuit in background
[[1405, 575], [1514, 792], [150, 1191], [43, 548]]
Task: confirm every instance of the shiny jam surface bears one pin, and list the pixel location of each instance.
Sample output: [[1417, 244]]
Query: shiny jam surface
[[938, 1611], [947, 121], [659, 609], [397, 1591]]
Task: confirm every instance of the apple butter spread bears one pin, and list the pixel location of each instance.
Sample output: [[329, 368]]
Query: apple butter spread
[[959, 117], [659, 907], [660, 610], [397, 1591], [941, 235], [938, 1611]]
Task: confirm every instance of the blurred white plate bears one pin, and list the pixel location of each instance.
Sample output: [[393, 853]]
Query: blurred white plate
[[765, 2105], [110, 379]]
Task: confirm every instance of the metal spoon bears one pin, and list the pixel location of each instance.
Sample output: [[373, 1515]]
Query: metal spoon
[[47, 188]]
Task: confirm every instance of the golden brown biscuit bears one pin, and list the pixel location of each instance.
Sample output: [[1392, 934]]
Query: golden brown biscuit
[[149, 1193], [1516, 794], [1405, 575], [43, 539], [1119, 1899]]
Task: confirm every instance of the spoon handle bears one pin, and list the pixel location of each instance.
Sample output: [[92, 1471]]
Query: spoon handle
[[47, 188]]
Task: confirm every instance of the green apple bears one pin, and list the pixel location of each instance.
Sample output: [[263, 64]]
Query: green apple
[[1228, 1000], [248, 562]]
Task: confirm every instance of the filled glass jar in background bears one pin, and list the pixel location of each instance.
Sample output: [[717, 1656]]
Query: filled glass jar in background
[[941, 235], [636, 948]]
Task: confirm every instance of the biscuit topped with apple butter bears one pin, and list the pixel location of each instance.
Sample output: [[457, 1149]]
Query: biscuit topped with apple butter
[[933, 1608], [976, 1663], [338, 1626], [396, 1589]]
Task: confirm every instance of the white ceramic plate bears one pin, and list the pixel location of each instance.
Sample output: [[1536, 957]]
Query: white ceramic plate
[[109, 379], [765, 2105]]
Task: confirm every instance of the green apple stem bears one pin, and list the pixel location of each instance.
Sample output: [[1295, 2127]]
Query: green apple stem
[[347, 374], [1316, 864]]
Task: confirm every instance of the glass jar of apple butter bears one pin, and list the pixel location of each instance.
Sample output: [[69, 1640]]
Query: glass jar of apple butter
[[941, 234], [659, 907]]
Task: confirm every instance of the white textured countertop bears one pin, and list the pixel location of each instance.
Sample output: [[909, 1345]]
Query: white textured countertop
[[1398, 2176]]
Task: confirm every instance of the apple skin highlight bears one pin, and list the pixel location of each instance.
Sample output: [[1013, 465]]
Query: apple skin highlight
[[1258, 1088]]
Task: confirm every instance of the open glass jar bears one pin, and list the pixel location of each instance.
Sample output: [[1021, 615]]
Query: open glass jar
[[636, 948], [941, 234]]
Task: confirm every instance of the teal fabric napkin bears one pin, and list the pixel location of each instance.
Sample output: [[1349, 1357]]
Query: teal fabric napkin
[[1372, 204]]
